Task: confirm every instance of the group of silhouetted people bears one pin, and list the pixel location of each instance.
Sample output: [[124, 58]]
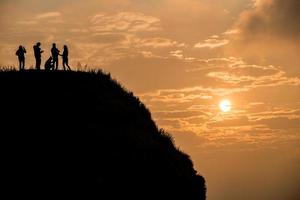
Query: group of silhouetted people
[[51, 63]]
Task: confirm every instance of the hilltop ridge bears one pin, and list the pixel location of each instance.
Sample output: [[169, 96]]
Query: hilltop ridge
[[81, 134]]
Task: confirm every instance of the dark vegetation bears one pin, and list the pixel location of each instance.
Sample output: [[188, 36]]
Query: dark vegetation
[[82, 135]]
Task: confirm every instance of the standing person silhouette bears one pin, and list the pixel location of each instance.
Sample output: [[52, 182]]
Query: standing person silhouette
[[55, 53], [21, 55], [65, 57], [38, 55]]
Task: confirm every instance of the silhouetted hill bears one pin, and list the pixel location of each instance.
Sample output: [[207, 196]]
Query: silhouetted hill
[[81, 135]]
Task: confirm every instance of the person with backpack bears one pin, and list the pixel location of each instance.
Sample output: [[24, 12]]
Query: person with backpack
[[49, 64]]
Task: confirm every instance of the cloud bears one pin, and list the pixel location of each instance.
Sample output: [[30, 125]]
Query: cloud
[[28, 22], [177, 54], [212, 42], [48, 15], [282, 123], [278, 112], [251, 120], [237, 72], [231, 32], [268, 127], [157, 43], [79, 30], [220, 78], [253, 74], [149, 54], [230, 132], [106, 36], [278, 18], [40, 19], [191, 94], [124, 22], [178, 114]]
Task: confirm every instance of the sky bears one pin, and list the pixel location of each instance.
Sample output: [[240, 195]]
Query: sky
[[182, 58]]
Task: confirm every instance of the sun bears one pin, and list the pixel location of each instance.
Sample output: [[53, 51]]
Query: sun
[[225, 105]]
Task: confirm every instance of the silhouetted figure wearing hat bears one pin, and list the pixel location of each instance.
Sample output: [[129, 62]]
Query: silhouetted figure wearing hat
[[49, 64], [55, 53], [65, 57], [38, 55], [21, 56]]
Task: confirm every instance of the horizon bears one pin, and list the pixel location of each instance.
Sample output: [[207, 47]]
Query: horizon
[[222, 77]]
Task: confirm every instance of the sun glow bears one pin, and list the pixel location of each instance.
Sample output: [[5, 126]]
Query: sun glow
[[225, 105]]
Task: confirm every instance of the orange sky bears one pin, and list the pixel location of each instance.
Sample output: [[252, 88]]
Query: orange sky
[[182, 57]]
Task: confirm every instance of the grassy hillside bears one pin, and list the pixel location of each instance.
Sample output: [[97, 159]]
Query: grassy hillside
[[78, 134]]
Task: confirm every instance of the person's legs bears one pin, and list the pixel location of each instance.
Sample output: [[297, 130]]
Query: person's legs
[[23, 64], [64, 65], [38, 63], [67, 62], [55, 63], [20, 64]]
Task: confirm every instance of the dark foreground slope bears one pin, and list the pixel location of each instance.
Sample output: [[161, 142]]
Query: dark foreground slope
[[76, 134]]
